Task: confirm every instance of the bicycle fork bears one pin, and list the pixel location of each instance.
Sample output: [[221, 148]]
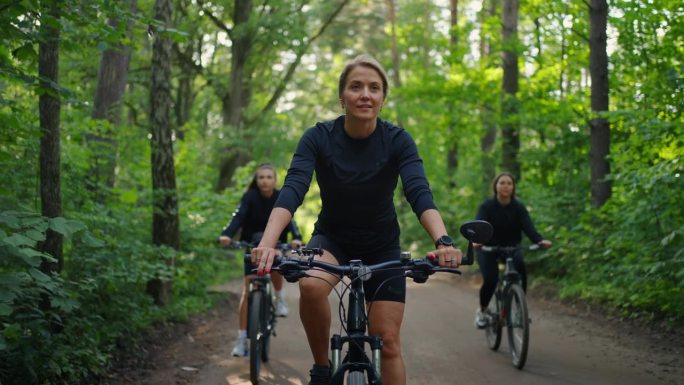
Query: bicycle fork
[[356, 339]]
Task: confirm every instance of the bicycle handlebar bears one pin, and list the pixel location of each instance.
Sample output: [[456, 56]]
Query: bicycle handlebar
[[509, 249], [417, 269], [282, 246]]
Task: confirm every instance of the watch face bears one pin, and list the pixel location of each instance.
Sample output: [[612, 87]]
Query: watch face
[[445, 240]]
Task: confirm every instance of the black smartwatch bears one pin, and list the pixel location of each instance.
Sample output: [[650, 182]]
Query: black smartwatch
[[444, 240]]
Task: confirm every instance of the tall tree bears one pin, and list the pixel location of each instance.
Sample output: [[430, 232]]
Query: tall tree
[[111, 84], [488, 139], [49, 106], [247, 28], [165, 221], [396, 63], [452, 138], [510, 130], [599, 125]]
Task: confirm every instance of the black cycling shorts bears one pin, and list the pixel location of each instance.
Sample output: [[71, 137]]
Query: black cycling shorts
[[387, 285]]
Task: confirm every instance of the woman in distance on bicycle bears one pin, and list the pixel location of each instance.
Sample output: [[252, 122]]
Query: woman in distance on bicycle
[[251, 216], [509, 218], [358, 159]]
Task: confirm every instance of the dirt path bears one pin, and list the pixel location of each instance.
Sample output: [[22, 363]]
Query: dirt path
[[440, 343]]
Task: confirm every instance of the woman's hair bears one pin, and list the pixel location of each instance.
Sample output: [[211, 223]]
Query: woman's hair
[[496, 180], [364, 60], [263, 166]]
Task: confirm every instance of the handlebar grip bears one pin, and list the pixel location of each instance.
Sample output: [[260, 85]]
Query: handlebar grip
[[468, 258]]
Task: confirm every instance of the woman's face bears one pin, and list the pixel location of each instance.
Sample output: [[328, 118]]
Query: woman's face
[[265, 179], [363, 95], [504, 187]]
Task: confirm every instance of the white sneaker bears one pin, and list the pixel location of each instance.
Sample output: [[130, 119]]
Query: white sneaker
[[241, 348], [481, 320], [281, 309]]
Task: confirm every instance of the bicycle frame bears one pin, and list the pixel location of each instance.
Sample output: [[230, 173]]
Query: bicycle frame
[[263, 284], [356, 362], [509, 277], [508, 296], [356, 338]]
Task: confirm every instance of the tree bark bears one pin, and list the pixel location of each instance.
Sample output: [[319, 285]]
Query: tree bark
[[510, 131], [487, 111], [452, 145], [49, 106], [111, 85], [396, 63], [599, 125], [237, 96], [165, 221]]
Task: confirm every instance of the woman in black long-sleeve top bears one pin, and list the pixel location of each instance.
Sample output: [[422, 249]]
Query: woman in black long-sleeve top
[[251, 216], [510, 219], [358, 159]]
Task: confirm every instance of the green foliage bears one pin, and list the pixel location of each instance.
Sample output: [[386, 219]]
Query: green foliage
[[98, 302], [629, 254]]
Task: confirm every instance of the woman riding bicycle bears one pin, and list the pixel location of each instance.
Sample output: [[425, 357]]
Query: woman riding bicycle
[[509, 218], [251, 215], [358, 159]]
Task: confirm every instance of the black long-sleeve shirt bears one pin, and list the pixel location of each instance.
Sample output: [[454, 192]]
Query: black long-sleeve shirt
[[509, 222], [357, 179], [252, 216]]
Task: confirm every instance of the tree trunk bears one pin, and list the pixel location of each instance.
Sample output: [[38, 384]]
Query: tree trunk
[[185, 93], [487, 111], [396, 61], [165, 221], [49, 106], [238, 95], [600, 127], [510, 109], [452, 145], [111, 84]]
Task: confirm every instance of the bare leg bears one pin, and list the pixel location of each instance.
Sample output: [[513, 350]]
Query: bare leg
[[385, 319], [314, 309], [277, 281], [243, 302]]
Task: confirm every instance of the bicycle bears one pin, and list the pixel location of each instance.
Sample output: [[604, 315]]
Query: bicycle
[[358, 368], [261, 315], [509, 307]]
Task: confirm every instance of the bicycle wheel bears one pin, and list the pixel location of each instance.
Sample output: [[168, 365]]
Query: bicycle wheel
[[493, 329], [268, 324], [518, 325], [255, 335], [356, 378]]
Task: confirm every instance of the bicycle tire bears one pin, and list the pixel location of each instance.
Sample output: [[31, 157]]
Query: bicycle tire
[[267, 330], [255, 335], [518, 324], [356, 378], [493, 329]]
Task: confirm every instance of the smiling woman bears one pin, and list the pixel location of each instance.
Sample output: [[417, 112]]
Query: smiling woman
[[358, 159], [362, 91]]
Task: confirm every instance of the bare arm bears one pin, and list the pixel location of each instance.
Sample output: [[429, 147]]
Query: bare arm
[[433, 223]]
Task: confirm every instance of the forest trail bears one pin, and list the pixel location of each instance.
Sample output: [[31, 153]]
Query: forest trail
[[568, 346]]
